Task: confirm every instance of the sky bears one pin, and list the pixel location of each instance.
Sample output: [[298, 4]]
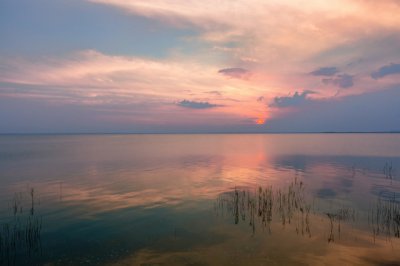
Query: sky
[[171, 66]]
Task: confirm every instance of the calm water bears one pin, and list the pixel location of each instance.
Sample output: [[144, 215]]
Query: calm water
[[303, 199]]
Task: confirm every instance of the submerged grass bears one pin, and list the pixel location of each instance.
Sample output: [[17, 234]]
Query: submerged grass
[[388, 170], [262, 205], [384, 217], [21, 234], [343, 214], [287, 206]]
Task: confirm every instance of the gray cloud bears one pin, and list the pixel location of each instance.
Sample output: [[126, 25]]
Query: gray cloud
[[375, 111], [386, 70], [325, 71], [343, 81], [295, 100], [197, 105], [235, 72], [260, 99]]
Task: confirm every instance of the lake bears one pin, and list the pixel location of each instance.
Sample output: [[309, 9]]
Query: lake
[[207, 199]]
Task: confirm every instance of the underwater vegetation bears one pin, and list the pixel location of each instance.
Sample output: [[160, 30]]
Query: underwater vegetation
[[384, 217], [289, 206], [388, 170], [20, 233]]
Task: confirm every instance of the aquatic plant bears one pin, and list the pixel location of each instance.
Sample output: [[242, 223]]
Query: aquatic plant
[[384, 217], [263, 204], [22, 233], [340, 215], [388, 170], [288, 206]]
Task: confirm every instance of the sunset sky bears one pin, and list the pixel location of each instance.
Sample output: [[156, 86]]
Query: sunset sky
[[199, 66]]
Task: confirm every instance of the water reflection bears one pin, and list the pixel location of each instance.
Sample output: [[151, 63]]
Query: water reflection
[[373, 165], [202, 199]]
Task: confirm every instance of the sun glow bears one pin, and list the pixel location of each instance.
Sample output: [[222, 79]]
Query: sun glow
[[260, 121]]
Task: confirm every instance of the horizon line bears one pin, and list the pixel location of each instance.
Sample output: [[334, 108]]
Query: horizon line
[[200, 133]]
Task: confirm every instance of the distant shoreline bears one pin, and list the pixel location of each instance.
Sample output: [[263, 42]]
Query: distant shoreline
[[195, 133]]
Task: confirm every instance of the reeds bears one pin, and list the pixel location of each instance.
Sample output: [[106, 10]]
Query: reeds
[[287, 206], [388, 170], [335, 218], [384, 217], [22, 233], [262, 205]]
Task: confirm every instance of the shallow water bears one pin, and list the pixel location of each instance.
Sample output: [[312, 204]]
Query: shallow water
[[284, 199]]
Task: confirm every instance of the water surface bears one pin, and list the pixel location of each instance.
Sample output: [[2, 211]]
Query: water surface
[[289, 199]]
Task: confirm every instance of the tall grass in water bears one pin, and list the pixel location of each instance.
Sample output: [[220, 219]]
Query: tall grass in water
[[336, 218], [288, 205], [21, 234], [384, 217]]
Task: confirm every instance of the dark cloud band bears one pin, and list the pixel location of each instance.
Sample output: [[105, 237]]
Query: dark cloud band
[[325, 71], [196, 105], [343, 81], [235, 72], [290, 101], [386, 70]]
